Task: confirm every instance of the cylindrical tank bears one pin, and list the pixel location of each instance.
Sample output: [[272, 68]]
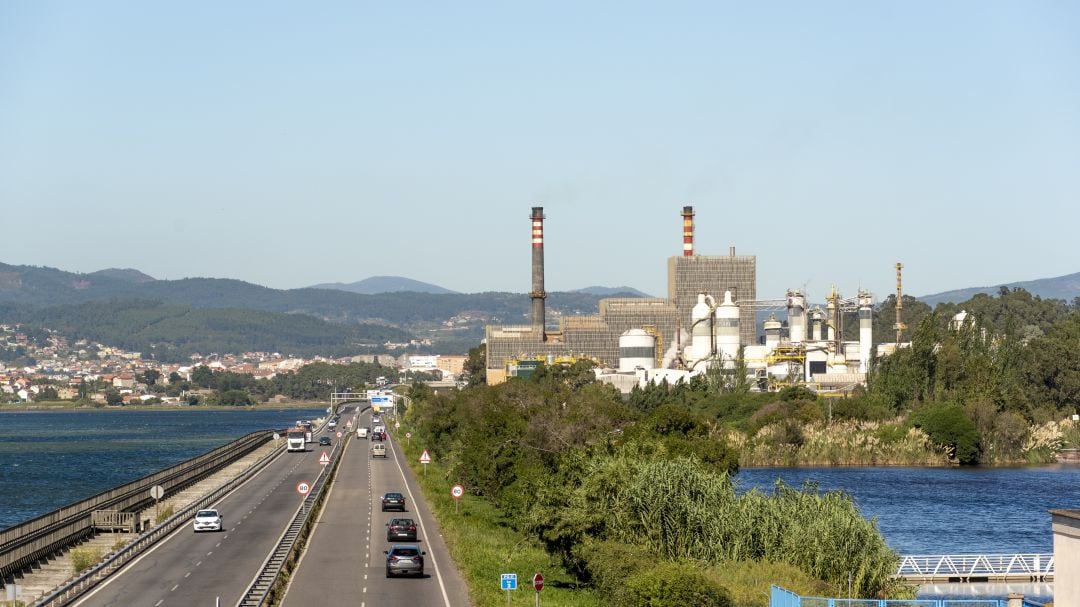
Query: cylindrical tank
[[637, 348], [772, 333], [727, 330], [866, 330], [817, 318], [701, 330], [796, 303], [831, 305]]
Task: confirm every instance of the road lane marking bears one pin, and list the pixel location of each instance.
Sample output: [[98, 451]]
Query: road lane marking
[[423, 530], [187, 575], [159, 602], [199, 563], [174, 588]]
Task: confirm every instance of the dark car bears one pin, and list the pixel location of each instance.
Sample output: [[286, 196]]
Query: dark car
[[393, 501], [324, 441], [378, 436], [401, 529], [405, 559]]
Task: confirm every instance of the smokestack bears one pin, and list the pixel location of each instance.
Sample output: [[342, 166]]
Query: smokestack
[[538, 293], [688, 231]]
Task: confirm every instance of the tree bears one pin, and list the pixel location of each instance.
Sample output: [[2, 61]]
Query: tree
[[113, 398], [150, 376], [46, 394], [202, 376], [474, 371]]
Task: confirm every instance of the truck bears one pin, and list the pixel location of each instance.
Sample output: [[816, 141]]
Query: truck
[[296, 439]]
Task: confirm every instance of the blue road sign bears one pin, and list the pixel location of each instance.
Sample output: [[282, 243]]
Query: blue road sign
[[509, 581]]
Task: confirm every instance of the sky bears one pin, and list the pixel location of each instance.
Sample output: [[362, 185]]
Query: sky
[[290, 144]]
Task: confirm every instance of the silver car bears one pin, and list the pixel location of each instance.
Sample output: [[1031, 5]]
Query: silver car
[[207, 520], [405, 559]]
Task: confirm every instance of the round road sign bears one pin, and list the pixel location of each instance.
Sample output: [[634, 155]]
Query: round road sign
[[408, 435], [339, 434], [157, 492], [457, 491], [276, 436], [538, 582], [303, 488]]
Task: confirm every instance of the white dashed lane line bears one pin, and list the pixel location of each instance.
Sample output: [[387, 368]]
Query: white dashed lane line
[[174, 588]]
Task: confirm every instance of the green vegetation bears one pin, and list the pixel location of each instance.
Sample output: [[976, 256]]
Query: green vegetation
[[634, 502], [164, 514], [84, 558]]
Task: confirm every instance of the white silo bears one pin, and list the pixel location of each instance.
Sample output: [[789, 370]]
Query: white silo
[[866, 329], [772, 333], [796, 303], [637, 348], [817, 318], [701, 329], [727, 330]]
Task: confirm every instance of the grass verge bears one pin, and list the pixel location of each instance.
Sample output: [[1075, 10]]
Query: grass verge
[[484, 546]]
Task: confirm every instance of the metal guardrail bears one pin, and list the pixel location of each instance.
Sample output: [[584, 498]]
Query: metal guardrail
[[784, 598], [27, 543], [258, 592], [78, 586], [968, 567]]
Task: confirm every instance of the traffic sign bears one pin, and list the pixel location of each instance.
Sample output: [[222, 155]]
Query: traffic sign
[[397, 425], [408, 435], [303, 488], [538, 582], [509, 581], [339, 433], [157, 492], [276, 436], [425, 458], [457, 491], [324, 458]]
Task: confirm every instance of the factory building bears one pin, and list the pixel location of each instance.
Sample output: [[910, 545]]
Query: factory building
[[708, 321], [597, 337]]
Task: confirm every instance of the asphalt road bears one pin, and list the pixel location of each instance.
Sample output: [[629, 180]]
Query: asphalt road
[[190, 568], [344, 562]]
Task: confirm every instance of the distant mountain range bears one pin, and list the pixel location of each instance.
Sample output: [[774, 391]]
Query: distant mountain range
[[612, 291], [1061, 287], [384, 284]]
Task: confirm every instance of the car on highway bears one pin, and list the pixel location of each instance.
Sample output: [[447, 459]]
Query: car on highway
[[324, 441], [378, 450], [361, 433], [375, 419], [332, 424], [404, 559], [207, 520], [401, 529], [393, 501]]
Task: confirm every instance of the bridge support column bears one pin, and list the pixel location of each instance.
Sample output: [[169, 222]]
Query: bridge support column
[[1015, 599]]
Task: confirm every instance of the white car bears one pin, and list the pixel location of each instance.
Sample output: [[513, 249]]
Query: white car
[[207, 520], [361, 432]]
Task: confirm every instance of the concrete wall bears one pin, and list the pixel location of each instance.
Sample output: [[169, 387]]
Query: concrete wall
[[1066, 526]]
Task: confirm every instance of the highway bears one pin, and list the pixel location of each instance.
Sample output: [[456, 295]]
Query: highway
[[343, 563]]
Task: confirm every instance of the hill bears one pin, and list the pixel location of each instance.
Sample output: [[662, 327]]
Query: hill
[[612, 292], [384, 284], [1061, 287]]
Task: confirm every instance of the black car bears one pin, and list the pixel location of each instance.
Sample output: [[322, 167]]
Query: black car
[[324, 441], [393, 501], [405, 559], [401, 529]]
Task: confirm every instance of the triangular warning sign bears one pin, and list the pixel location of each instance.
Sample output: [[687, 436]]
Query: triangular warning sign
[[324, 458], [425, 458]]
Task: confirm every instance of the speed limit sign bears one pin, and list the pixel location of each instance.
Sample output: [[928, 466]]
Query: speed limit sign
[[457, 491], [303, 488]]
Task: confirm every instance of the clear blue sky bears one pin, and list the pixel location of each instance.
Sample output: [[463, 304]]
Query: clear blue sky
[[290, 144]]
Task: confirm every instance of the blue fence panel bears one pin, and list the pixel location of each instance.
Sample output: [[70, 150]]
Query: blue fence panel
[[785, 598]]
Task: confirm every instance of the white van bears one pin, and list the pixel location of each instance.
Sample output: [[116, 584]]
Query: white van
[[378, 450], [361, 433]]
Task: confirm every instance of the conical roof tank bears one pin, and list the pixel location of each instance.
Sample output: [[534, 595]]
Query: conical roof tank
[[727, 330], [701, 342], [772, 333]]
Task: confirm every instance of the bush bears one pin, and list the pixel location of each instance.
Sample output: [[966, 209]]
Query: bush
[[673, 585], [85, 558], [164, 514], [948, 426]]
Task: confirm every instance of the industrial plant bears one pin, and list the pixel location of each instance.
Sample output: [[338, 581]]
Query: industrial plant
[[708, 322]]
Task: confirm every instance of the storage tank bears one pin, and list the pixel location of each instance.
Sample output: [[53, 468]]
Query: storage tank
[[701, 329], [796, 303], [637, 348], [772, 333], [866, 329], [727, 330], [817, 318]]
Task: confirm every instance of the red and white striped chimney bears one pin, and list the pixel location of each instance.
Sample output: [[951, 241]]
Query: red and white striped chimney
[[538, 293], [688, 231]]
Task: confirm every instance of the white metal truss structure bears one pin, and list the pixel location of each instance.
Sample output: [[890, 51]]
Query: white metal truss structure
[[969, 567]]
